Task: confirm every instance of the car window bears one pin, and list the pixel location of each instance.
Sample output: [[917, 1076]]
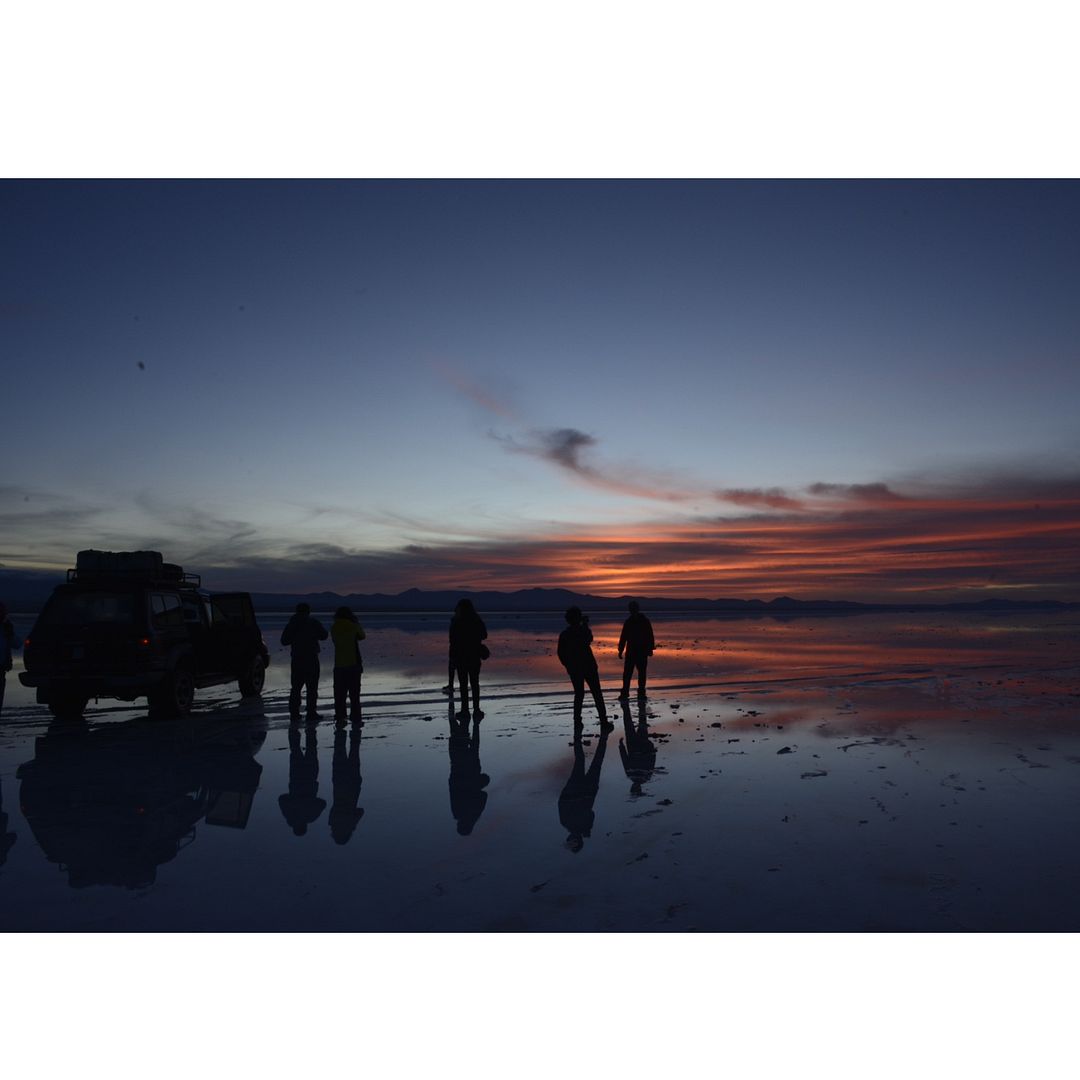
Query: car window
[[168, 614], [82, 608]]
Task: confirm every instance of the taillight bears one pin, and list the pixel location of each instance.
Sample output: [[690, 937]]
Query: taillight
[[144, 642]]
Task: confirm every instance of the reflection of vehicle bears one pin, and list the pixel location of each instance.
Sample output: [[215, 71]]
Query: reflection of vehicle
[[127, 624], [110, 804]]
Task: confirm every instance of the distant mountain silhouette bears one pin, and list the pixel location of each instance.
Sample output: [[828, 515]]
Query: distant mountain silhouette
[[558, 600], [27, 591]]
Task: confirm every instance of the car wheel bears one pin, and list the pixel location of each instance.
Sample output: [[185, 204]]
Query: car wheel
[[176, 694], [251, 682]]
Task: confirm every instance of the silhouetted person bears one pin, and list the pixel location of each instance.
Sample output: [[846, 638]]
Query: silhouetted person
[[344, 813], [347, 633], [575, 653], [467, 650], [637, 750], [9, 643], [303, 633], [301, 805], [576, 800], [638, 642], [467, 781], [7, 839]]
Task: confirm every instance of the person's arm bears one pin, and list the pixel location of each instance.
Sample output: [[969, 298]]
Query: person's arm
[[622, 638], [483, 629], [320, 631], [360, 635], [287, 633], [652, 639]]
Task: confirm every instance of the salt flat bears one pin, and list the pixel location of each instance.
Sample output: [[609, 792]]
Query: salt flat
[[872, 773]]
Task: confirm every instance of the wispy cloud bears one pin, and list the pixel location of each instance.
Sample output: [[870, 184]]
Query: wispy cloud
[[567, 448], [468, 386]]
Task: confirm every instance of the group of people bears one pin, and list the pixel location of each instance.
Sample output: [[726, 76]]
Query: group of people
[[303, 633]]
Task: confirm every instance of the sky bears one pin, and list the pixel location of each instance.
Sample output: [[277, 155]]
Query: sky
[[861, 390]]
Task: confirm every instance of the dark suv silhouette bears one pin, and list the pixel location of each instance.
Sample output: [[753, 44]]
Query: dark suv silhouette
[[128, 625]]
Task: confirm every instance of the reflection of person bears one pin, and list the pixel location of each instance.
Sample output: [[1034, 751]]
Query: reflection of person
[[575, 653], [638, 751], [347, 633], [7, 839], [8, 644], [467, 650], [344, 813], [301, 805], [303, 633], [577, 798], [467, 780], [638, 641]]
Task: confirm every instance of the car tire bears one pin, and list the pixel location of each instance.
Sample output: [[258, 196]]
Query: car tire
[[251, 682], [176, 694]]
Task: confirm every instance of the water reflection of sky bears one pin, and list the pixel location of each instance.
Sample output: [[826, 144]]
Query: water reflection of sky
[[820, 774]]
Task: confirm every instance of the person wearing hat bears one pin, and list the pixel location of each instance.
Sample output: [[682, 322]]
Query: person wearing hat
[[347, 633], [9, 643]]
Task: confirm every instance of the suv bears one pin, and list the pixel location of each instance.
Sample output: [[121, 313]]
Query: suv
[[129, 625]]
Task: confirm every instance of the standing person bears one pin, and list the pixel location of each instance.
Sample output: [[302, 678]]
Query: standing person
[[347, 633], [467, 651], [8, 644], [575, 653], [638, 641], [303, 633]]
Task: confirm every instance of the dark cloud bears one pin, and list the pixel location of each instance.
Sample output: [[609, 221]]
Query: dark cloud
[[767, 498], [565, 448], [855, 492]]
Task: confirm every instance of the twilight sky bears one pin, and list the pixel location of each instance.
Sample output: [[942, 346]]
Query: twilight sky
[[834, 389]]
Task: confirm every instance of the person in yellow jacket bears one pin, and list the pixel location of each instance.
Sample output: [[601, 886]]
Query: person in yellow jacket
[[347, 633]]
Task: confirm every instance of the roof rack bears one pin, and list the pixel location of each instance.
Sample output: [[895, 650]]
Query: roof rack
[[93, 565], [75, 575]]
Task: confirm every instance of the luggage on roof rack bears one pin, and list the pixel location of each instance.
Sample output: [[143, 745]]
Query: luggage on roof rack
[[145, 565]]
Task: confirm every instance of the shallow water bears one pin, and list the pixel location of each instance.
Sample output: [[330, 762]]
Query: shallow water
[[867, 773]]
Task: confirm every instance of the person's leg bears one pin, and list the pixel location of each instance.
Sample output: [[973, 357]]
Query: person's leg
[[627, 671], [341, 676], [577, 681], [642, 668], [593, 678], [354, 694], [463, 683], [313, 688], [296, 682], [474, 679]]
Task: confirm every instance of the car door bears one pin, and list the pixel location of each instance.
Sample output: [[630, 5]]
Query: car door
[[235, 629]]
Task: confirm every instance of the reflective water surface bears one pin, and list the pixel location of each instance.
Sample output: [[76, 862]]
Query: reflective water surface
[[867, 773]]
